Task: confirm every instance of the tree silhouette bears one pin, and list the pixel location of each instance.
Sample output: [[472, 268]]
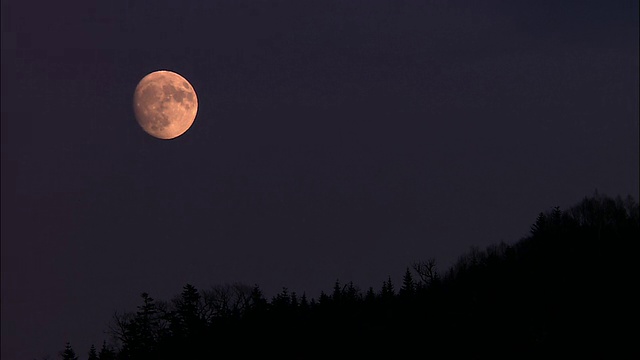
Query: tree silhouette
[[336, 296], [106, 353], [370, 297], [408, 286], [93, 354], [257, 302], [304, 303], [539, 226], [388, 290], [188, 320], [68, 353], [426, 270]]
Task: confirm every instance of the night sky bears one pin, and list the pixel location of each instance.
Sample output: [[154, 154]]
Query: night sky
[[337, 139]]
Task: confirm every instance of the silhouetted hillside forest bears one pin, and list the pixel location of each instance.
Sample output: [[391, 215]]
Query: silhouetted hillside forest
[[564, 291]]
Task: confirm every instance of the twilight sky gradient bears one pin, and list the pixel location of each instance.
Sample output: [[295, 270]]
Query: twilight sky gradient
[[335, 139]]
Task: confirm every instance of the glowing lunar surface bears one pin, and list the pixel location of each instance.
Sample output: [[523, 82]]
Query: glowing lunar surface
[[165, 104]]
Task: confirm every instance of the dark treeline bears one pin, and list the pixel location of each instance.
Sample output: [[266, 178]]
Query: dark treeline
[[565, 290]]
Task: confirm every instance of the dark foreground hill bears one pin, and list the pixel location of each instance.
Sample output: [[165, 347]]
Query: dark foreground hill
[[565, 291]]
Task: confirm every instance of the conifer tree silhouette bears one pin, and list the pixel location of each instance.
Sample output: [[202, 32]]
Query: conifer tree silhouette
[[408, 286], [388, 291], [370, 297], [336, 296], [68, 353], [258, 304], [304, 303], [540, 225], [93, 354], [106, 353], [187, 319]]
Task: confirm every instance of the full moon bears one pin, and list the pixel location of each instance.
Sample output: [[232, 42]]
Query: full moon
[[165, 104]]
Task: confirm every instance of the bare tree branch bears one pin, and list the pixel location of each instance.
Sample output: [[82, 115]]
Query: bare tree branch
[[426, 270]]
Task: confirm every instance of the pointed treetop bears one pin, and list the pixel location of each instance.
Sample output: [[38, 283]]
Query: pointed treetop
[[68, 353], [93, 353]]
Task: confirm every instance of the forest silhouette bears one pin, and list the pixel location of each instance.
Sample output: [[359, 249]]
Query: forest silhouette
[[565, 290]]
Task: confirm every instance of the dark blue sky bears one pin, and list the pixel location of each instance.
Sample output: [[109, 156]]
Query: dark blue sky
[[334, 140]]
